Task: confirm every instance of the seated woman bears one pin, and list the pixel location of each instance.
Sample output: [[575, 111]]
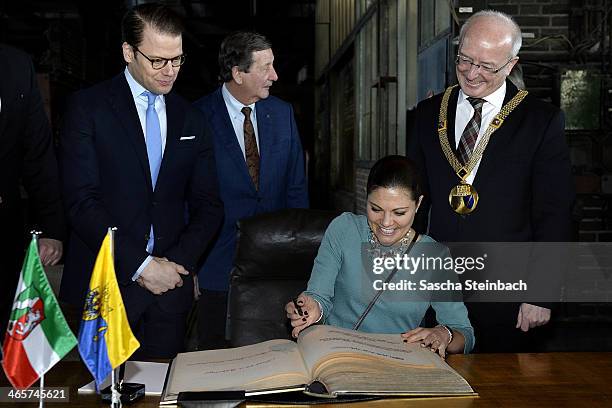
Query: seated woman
[[335, 294]]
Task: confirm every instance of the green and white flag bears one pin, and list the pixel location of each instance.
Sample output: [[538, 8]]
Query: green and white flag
[[37, 336]]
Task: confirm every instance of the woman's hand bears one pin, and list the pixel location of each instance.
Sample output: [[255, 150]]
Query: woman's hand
[[436, 338], [306, 313]]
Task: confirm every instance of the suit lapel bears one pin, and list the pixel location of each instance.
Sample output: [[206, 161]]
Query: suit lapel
[[124, 108], [222, 127], [175, 118], [500, 138], [266, 139], [451, 114]]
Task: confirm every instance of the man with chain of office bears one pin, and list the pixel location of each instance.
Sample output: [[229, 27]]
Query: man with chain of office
[[495, 167]]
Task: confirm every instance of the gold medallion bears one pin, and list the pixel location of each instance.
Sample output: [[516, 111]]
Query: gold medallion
[[463, 198]]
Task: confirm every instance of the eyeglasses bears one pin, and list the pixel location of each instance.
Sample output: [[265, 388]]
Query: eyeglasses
[[159, 63], [465, 62]]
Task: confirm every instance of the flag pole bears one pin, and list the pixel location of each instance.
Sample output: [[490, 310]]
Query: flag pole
[[111, 231], [41, 386], [115, 394], [41, 393], [35, 235]]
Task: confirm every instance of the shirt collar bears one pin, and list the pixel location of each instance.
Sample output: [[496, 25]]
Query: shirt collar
[[136, 89], [496, 98], [233, 104]]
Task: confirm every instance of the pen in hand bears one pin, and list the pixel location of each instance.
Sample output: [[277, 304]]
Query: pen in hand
[[298, 307]]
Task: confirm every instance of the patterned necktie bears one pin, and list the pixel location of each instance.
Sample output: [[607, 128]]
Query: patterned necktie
[[154, 150], [470, 133], [250, 147]]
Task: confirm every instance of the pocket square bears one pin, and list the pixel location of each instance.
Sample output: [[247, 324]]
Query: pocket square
[[187, 137]]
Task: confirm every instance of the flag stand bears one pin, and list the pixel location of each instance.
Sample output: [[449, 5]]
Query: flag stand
[[42, 391]]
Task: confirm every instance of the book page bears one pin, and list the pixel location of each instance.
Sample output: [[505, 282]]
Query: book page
[[344, 376], [321, 342], [271, 364], [351, 362]]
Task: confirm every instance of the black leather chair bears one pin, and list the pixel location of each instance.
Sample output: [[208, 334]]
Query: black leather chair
[[273, 262]]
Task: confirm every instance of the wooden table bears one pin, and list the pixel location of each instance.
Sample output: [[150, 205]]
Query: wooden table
[[501, 380]]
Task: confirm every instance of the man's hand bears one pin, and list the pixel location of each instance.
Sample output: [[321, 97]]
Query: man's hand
[[530, 316], [50, 251], [161, 275]]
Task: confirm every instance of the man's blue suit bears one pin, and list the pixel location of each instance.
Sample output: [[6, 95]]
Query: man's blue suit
[[107, 182], [282, 181]]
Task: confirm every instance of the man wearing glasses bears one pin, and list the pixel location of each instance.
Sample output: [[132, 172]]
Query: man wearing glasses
[[518, 189], [138, 157]]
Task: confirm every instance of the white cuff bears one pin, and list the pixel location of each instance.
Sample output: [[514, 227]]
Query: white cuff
[[321, 309], [141, 268]]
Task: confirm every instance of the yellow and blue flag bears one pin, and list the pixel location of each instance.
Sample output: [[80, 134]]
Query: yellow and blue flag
[[105, 337]]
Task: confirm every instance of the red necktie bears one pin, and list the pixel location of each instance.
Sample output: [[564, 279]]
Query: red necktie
[[250, 147]]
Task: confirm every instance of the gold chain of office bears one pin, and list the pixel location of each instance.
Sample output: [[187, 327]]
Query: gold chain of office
[[464, 170]]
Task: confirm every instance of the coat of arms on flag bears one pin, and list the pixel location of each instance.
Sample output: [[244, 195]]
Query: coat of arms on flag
[[95, 301], [28, 312]]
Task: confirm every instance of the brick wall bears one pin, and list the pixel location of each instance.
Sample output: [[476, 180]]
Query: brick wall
[[595, 218]]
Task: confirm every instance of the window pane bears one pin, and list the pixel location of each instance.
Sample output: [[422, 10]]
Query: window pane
[[426, 21], [442, 16]]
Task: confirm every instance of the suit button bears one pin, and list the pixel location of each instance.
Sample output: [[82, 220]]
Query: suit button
[[154, 203]]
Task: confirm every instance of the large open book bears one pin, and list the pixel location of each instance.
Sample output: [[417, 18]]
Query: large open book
[[326, 361]]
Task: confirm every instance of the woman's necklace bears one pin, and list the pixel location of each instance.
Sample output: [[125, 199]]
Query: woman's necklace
[[377, 250]]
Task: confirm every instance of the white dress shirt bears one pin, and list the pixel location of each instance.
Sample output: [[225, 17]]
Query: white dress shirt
[[234, 109], [491, 107], [142, 103]]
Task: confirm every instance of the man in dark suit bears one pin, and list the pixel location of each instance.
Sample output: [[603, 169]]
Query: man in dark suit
[[138, 157], [259, 159], [26, 157], [522, 179]]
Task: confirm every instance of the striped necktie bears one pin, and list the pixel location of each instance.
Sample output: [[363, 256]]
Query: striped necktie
[[470, 133]]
